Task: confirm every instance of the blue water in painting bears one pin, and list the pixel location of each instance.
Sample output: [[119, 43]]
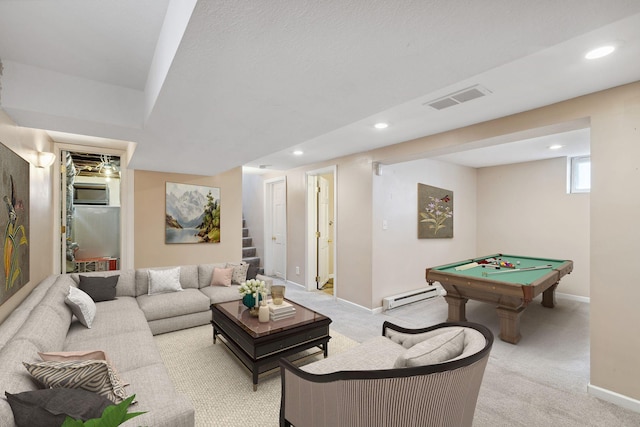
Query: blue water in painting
[[182, 235]]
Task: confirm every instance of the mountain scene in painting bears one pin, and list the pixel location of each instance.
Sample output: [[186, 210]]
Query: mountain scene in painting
[[192, 214]]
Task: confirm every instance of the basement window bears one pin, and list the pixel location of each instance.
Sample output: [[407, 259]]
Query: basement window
[[580, 174]]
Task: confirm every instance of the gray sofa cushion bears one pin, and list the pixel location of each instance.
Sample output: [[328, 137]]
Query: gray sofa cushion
[[218, 294], [156, 394], [173, 304], [127, 351], [45, 328], [376, 353], [112, 318]]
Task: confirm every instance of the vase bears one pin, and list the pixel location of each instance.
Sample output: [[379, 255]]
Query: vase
[[250, 301]]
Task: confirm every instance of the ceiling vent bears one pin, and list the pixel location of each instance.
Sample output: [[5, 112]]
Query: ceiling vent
[[458, 97]]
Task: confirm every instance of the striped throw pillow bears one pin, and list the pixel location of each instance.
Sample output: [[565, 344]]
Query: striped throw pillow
[[91, 375]]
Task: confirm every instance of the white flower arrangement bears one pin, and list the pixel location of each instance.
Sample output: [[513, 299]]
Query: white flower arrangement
[[251, 286]]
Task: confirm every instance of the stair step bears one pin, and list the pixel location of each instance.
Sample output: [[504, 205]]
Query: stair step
[[247, 242], [245, 232], [249, 252], [252, 260]]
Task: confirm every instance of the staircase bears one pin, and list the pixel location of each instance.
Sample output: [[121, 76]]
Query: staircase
[[248, 250]]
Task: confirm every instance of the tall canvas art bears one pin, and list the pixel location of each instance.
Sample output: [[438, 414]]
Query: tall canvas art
[[14, 222], [435, 212], [192, 213]]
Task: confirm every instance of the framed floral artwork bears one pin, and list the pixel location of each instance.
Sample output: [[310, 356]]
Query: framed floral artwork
[[192, 213], [435, 212]]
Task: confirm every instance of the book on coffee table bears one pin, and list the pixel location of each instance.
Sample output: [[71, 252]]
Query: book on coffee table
[[285, 315], [284, 308]]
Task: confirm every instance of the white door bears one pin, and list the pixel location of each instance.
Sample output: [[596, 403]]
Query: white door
[[323, 231], [279, 224]]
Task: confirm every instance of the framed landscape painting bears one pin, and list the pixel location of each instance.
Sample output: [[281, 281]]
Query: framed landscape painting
[[435, 212], [192, 213], [14, 222]]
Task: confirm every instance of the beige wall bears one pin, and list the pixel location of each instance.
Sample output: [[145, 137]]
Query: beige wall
[[614, 116], [352, 226], [614, 208], [26, 142], [399, 257], [150, 249], [524, 209]]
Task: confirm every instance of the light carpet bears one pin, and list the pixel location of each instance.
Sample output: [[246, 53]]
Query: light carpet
[[219, 386]]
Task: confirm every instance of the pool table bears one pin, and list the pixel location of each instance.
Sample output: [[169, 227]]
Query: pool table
[[511, 286]]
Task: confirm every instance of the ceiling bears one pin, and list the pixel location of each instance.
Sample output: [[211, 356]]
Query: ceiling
[[204, 86]]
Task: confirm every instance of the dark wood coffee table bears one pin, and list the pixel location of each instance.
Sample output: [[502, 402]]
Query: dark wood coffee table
[[259, 346]]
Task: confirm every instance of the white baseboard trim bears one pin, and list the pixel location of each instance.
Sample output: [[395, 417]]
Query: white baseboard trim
[[358, 306], [289, 282], [613, 397], [573, 297]]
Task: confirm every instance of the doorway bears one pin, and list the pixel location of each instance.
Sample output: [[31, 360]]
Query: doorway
[[275, 237], [321, 213], [90, 211]]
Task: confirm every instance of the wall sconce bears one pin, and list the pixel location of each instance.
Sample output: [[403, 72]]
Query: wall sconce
[[44, 159]]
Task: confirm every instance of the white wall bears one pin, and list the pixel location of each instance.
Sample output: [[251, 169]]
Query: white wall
[[26, 143], [399, 257], [524, 209]]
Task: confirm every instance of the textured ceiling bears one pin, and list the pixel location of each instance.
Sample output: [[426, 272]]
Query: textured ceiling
[[204, 86]]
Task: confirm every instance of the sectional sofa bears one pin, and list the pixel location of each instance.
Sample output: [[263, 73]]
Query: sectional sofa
[[122, 328]]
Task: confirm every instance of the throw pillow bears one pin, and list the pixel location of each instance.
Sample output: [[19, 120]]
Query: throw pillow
[[91, 375], [239, 272], [50, 407], [99, 288], [252, 272], [221, 276], [167, 280], [81, 305], [438, 349], [65, 356]]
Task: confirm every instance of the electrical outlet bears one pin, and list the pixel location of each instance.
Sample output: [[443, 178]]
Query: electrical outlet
[[298, 270]]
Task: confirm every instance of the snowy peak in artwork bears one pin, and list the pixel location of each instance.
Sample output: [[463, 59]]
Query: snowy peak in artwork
[[186, 209]]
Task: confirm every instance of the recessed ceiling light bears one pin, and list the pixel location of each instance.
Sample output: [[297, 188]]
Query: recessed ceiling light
[[298, 153], [600, 52], [381, 125], [555, 147]]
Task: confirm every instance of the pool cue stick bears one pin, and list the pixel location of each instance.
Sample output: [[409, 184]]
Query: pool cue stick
[[540, 267]]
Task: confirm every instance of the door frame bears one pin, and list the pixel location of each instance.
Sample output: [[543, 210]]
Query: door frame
[[311, 214], [126, 203], [268, 224]]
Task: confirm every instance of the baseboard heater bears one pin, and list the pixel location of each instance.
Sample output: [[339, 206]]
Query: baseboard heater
[[408, 297]]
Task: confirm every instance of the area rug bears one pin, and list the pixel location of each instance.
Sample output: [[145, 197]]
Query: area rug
[[219, 386]]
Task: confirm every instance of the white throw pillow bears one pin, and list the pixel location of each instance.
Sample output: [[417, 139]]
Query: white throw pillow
[[161, 281], [438, 349], [81, 305]]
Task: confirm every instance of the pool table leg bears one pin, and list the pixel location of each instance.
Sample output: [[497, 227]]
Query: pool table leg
[[457, 308], [510, 324], [549, 296]]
